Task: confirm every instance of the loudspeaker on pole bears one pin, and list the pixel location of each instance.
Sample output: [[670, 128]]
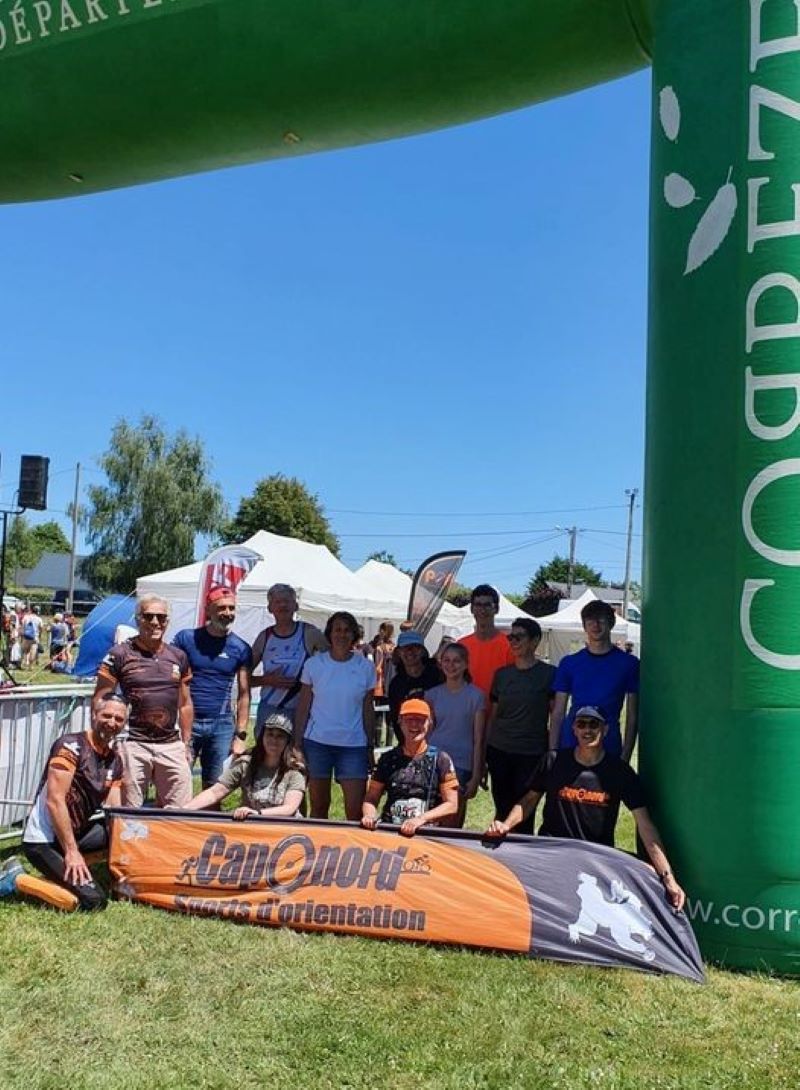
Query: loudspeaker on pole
[[33, 470]]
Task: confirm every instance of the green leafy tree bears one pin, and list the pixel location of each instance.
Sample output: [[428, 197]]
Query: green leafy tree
[[158, 498], [20, 548], [384, 558], [48, 537], [514, 598], [557, 571], [458, 594], [282, 505]]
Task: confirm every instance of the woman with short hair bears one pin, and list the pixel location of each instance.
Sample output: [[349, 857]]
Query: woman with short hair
[[335, 719]]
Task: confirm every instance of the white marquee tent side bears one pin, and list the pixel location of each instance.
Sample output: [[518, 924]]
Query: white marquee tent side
[[562, 632], [323, 584]]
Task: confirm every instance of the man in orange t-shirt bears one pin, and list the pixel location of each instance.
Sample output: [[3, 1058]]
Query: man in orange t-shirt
[[488, 647]]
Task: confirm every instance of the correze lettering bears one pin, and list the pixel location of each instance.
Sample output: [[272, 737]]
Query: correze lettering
[[779, 285]]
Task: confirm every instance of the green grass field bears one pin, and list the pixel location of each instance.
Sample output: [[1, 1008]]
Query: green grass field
[[136, 998]]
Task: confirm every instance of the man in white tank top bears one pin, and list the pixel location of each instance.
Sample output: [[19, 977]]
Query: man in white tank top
[[279, 653]]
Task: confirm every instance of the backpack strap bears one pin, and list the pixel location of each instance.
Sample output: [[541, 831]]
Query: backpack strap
[[433, 753]]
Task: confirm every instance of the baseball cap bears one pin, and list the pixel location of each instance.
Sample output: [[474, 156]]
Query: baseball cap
[[278, 721], [410, 639], [215, 593], [415, 706], [589, 712]]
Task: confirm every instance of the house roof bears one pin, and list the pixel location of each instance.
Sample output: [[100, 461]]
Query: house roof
[[52, 572]]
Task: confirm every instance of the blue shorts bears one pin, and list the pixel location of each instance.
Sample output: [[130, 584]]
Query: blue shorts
[[345, 762]]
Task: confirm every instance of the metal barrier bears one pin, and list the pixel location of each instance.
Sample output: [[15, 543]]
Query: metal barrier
[[30, 721]]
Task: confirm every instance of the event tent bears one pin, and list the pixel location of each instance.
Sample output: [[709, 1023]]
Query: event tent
[[396, 585], [99, 631], [323, 583], [563, 631]]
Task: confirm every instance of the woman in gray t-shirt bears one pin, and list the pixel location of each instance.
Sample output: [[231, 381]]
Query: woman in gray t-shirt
[[271, 776], [459, 724], [518, 715]]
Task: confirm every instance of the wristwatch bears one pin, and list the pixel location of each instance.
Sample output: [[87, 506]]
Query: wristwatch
[[240, 734]]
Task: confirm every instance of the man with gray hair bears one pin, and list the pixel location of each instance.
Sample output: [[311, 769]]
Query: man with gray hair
[[154, 678], [279, 652]]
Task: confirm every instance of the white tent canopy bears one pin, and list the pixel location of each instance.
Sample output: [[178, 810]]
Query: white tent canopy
[[396, 586], [563, 631], [323, 584]]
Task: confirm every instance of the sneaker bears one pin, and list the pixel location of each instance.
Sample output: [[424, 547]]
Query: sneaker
[[8, 876]]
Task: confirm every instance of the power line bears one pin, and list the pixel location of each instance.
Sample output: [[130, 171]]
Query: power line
[[470, 514], [455, 533]]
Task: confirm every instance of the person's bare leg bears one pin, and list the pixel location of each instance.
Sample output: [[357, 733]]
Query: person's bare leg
[[353, 791], [319, 794]]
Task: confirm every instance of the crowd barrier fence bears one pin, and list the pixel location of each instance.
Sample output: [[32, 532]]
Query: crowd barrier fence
[[30, 721]]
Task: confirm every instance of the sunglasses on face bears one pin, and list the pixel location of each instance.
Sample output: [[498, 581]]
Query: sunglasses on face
[[160, 617]]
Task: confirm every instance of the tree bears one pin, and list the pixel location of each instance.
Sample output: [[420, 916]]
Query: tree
[[157, 499], [384, 558], [557, 571], [20, 548], [25, 544], [48, 537], [282, 505]]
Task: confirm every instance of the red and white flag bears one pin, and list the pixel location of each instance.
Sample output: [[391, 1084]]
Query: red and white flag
[[225, 567]]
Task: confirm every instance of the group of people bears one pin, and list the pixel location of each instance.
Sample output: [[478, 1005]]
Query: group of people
[[484, 707], [25, 633]]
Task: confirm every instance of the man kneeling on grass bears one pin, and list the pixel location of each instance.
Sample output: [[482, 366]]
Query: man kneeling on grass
[[83, 772], [583, 788]]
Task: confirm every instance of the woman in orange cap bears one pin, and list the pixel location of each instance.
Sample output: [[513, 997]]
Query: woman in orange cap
[[419, 781]]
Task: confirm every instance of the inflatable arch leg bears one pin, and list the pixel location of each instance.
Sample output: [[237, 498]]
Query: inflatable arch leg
[[41, 889], [721, 683]]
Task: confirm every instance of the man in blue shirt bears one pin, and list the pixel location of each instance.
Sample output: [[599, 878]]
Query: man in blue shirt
[[218, 658], [600, 675]]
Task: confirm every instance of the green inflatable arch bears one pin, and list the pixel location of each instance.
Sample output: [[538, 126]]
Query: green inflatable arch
[[104, 93]]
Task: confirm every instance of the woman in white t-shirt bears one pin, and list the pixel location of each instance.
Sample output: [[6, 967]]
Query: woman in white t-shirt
[[335, 719]]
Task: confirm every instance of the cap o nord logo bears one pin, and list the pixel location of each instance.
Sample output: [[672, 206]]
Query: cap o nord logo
[[294, 862]]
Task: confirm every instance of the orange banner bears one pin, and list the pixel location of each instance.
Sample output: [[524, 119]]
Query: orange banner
[[320, 877]]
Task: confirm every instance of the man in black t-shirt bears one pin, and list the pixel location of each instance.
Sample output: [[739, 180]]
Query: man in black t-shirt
[[583, 788]]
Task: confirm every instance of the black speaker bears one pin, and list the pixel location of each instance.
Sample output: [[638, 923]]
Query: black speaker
[[33, 471]]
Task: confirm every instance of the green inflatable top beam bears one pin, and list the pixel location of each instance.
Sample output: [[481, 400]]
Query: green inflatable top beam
[[105, 93]]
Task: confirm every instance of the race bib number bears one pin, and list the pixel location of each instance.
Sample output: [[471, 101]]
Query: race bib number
[[403, 809]]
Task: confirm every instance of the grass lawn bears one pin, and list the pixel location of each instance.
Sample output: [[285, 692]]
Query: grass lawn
[[136, 998]]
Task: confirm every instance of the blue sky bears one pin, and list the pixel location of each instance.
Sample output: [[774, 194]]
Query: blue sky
[[443, 337]]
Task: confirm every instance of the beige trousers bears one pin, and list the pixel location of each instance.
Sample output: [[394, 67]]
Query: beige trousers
[[164, 765]]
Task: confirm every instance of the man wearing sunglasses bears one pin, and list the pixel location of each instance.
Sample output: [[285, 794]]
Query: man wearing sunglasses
[[154, 678], [583, 788]]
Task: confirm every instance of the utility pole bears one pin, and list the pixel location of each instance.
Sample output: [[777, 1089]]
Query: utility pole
[[631, 493], [573, 534], [71, 591]]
